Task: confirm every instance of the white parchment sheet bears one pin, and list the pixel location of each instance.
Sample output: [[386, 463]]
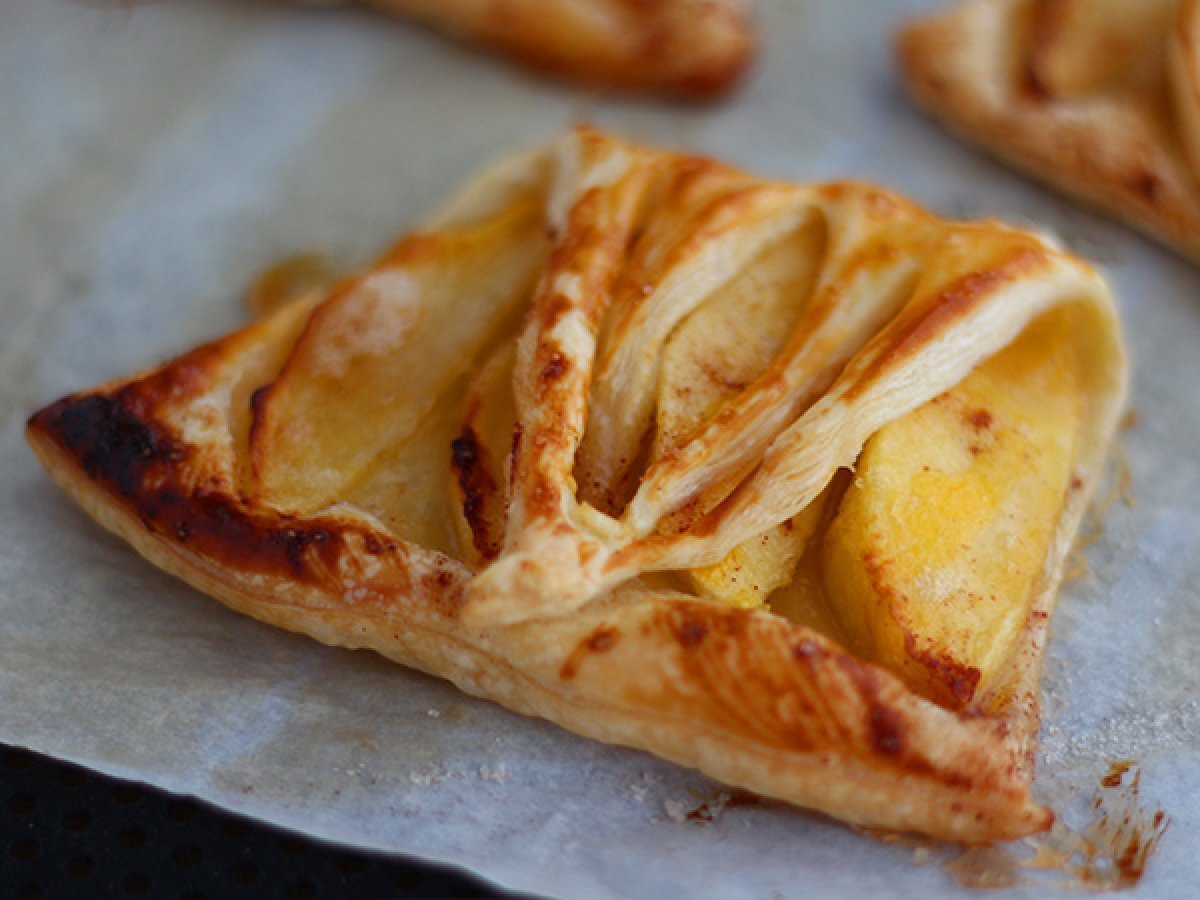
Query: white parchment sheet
[[154, 157]]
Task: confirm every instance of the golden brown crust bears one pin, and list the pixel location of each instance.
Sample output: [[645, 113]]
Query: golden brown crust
[[746, 696], [685, 48], [811, 724], [984, 69]]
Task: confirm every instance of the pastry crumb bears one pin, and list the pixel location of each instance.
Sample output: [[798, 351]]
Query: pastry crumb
[[427, 778], [676, 811], [705, 812], [498, 773]]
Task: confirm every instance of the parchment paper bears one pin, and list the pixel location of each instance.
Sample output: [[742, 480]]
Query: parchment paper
[[154, 157]]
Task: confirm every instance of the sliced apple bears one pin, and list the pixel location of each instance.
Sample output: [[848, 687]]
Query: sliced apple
[[382, 354], [714, 354], [754, 570], [729, 341], [932, 561]]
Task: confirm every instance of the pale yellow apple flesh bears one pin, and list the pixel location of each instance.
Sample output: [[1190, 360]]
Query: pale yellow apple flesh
[[932, 562]]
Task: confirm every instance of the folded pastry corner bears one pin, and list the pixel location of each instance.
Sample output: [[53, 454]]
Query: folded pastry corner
[[1098, 98], [682, 48], [775, 481]]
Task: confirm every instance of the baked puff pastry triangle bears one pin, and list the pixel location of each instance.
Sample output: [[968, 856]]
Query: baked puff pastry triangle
[[1098, 98], [771, 480], [684, 48]]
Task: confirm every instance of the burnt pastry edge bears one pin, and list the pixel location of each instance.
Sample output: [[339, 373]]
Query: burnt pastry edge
[[823, 729]]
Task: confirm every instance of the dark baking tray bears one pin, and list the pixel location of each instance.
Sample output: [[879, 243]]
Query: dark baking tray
[[69, 832]]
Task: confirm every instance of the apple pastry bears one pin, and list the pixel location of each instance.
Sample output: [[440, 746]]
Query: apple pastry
[[1099, 98], [775, 481], [686, 48]]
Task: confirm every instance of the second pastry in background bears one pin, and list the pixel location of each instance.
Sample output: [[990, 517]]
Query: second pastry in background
[[681, 48], [1099, 98]]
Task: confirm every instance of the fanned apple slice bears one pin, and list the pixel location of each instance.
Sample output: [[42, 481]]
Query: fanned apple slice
[[284, 327], [756, 568], [803, 599], [721, 348], [717, 225], [866, 271], [379, 357], [934, 558], [404, 487], [718, 351]]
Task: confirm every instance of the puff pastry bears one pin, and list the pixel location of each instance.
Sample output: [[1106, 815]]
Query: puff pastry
[[583, 445], [687, 48], [1100, 98]]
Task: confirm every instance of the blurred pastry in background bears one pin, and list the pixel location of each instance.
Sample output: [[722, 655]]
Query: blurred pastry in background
[[682, 48], [1100, 98]]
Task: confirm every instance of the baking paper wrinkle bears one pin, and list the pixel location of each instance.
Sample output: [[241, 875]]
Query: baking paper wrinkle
[[168, 153]]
